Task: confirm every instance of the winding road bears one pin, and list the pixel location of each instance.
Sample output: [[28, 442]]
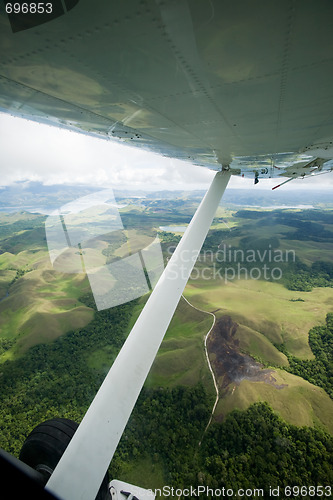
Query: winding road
[[208, 362]]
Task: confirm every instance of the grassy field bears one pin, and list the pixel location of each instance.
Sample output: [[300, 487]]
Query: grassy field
[[43, 304], [266, 315], [311, 251], [266, 307], [135, 242], [40, 305], [299, 402], [256, 343], [181, 358], [267, 227]]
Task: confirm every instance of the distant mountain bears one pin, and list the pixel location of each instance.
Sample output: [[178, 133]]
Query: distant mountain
[[279, 198], [36, 197]]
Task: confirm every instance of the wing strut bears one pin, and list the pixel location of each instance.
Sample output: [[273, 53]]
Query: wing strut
[[84, 463]]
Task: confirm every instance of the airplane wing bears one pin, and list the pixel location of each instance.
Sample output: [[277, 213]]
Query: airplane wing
[[245, 85]]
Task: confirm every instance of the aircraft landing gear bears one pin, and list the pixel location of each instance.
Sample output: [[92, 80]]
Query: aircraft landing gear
[[46, 444]]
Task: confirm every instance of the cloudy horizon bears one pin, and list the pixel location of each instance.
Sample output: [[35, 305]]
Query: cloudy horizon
[[77, 159]]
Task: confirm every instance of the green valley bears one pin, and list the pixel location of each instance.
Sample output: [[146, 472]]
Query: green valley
[[269, 346]]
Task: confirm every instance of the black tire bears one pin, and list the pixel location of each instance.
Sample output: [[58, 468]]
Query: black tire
[[46, 444]]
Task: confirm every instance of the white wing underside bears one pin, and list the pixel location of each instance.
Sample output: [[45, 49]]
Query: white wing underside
[[245, 84]]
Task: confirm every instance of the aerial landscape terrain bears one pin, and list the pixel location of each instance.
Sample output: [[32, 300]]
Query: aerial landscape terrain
[[241, 392]]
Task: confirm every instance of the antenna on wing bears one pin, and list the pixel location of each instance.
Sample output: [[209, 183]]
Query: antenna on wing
[[285, 182]]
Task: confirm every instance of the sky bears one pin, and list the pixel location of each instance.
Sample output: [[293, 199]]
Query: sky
[[30, 151]]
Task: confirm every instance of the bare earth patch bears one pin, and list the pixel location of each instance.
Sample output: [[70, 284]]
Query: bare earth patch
[[230, 365]]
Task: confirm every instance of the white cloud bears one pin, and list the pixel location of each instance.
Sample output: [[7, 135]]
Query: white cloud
[[37, 152]]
